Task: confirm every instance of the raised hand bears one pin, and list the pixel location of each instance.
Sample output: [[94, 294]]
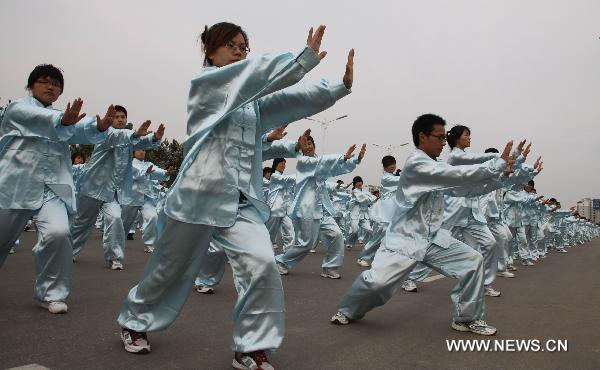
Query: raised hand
[[150, 169], [143, 129], [361, 154], [158, 135], [506, 153], [521, 145], [314, 40], [71, 115], [104, 123], [537, 162], [349, 74], [303, 141], [527, 150], [277, 134], [349, 152]]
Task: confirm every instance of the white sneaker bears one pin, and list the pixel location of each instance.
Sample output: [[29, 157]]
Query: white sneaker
[[313, 251], [275, 246], [363, 263], [478, 327], [135, 342], [562, 251], [512, 268], [330, 273], [116, 265], [256, 360], [529, 263], [149, 249], [491, 292], [282, 270], [55, 307], [12, 250], [409, 286], [204, 289], [506, 274], [339, 319]]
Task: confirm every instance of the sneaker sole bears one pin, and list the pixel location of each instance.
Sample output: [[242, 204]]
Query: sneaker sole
[[141, 351], [330, 276]]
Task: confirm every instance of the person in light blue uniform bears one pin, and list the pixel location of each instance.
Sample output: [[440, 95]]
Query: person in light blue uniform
[[339, 197], [212, 266], [143, 198], [218, 193], [280, 186], [106, 184], [382, 210], [415, 232], [358, 208], [463, 216], [312, 210], [36, 178]]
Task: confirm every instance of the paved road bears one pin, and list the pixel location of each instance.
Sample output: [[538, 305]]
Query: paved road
[[557, 299]]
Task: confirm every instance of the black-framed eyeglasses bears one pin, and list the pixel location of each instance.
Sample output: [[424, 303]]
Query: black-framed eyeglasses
[[243, 48], [441, 138], [49, 82]]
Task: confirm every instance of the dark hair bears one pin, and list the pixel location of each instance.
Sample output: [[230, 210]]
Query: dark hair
[[339, 182], [120, 108], [355, 180], [310, 138], [388, 160], [455, 133], [276, 161], [531, 183], [75, 155], [425, 125], [267, 170], [46, 70], [491, 150], [218, 35]]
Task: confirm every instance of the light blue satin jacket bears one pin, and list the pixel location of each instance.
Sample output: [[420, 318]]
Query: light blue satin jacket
[[359, 204], [459, 210], [143, 182], [34, 154], [311, 200], [419, 212], [110, 169], [280, 187], [383, 210], [229, 109], [339, 197]]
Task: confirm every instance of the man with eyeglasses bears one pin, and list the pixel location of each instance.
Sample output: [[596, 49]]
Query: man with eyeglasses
[[415, 233]]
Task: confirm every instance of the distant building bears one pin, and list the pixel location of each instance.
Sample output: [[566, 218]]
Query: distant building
[[590, 209]]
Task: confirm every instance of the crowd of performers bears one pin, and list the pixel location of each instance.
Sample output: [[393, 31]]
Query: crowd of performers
[[471, 217]]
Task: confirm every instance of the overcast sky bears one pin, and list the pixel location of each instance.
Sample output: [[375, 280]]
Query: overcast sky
[[507, 69]]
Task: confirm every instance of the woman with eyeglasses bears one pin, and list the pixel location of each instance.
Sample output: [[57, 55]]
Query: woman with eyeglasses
[[218, 195]]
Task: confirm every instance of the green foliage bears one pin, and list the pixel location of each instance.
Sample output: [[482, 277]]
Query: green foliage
[[169, 154]]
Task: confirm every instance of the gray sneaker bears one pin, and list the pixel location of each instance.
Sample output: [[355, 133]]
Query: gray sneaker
[[362, 263], [282, 270], [55, 307], [491, 292], [256, 360], [135, 342], [478, 327], [409, 286], [339, 319], [330, 273], [204, 289]]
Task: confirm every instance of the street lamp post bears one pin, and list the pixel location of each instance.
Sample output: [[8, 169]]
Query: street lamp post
[[325, 125]]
